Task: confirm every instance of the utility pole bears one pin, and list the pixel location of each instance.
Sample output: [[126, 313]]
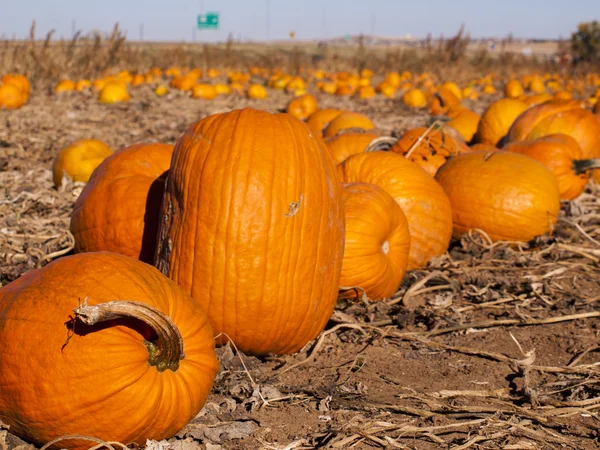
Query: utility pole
[[194, 33], [73, 28], [268, 18], [141, 32]]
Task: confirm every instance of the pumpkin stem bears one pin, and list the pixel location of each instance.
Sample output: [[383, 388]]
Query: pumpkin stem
[[583, 165], [381, 143], [165, 353]]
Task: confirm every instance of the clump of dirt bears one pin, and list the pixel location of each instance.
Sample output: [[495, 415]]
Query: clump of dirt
[[491, 346]]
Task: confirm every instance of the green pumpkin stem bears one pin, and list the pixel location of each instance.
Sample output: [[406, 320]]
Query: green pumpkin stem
[[583, 165], [165, 353]]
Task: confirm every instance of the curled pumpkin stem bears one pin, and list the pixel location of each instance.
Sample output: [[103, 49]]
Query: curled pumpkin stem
[[381, 143], [165, 353], [583, 165]]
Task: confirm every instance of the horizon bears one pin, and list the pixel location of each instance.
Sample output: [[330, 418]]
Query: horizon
[[273, 20]]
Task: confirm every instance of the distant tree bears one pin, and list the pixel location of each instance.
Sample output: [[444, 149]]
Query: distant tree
[[585, 42]]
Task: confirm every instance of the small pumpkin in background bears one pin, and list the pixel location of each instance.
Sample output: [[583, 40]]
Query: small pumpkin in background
[[204, 91], [562, 155], [443, 101], [78, 160], [513, 89], [11, 96], [429, 147], [113, 93], [377, 241], [257, 91], [252, 225], [497, 119], [64, 86], [20, 81], [415, 98], [117, 378], [564, 117], [422, 200], [318, 120], [303, 106], [348, 120], [344, 145], [119, 209], [511, 197], [466, 123]]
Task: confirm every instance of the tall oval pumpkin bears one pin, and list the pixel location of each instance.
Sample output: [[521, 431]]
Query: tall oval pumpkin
[[142, 371], [253, 228], [421, 198]]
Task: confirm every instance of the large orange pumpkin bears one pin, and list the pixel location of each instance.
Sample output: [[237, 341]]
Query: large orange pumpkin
[[142, 372], [346, 121], [509, 196], [422, 200], [565, 117], [466, 123], [253, 227], [562, 155], [343, 145], [321, 118], [119, 208], [377, 241], [429, 147]]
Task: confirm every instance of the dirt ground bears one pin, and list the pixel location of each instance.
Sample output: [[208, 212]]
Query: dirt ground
[[490, 347]]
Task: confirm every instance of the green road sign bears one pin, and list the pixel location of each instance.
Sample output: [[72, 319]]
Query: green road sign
[[208, 20]]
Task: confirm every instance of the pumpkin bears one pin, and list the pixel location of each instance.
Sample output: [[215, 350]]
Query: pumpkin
[[65, 86], [429, 148], [83, 85], [343, 145], [466, 123], [135, 361], [257, 91], [562, 155], [513, 89], [20, 81], [377, 241], [161, 90], [78, 160], [365, 92], [422, 200], [497, 119], [118, 210], [565, 117], [318, 120], [184, 82], [253, 227], [113, 93], [11, 96], [511, 197], [346, 121], [415, 98], [302, 106], [442, 101], [204, 91]]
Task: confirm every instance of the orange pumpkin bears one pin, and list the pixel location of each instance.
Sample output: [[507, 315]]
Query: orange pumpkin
[[302, 106], [78, 160], [116, 379], [415, 98], [204, 91], [509, 196], [428, 147], [466, 123], [347, 144], [20, 81], [497, 119], [422, 200], [11, 96], [442, 101], [321, 118], [563, 156], [346, 121], [118, 210], [565, 117], [377, 241], [513, 89], [253, 227]]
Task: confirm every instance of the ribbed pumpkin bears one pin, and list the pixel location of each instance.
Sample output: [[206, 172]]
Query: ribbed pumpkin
[[422, 200], [121, 379], [321, 118], [348, 120], [428, 147], [565, 117], [253, 227], [79, 160], [563, 156], [347, 144], [119, 208], [497, 119], [377, 241], [509, 196]]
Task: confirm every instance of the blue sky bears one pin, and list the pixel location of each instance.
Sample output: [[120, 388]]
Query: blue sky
[[174, 19]]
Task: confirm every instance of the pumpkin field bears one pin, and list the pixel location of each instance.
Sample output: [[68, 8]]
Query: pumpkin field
[[255, 248]]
